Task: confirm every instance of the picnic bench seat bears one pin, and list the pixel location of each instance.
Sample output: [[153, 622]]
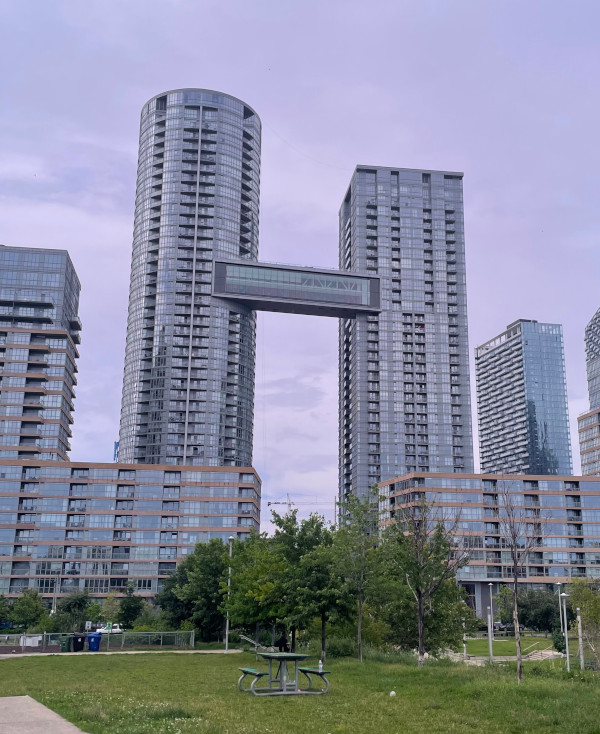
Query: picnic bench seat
[[315, 671], [258, 674]]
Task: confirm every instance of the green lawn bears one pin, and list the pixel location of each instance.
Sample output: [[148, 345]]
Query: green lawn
[[506, 645], [185, 694]]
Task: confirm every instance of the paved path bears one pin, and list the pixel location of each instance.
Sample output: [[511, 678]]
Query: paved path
[[23, 715], [118, 652]]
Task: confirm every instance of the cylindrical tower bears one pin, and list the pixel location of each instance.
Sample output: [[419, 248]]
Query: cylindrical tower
[[188, 386]]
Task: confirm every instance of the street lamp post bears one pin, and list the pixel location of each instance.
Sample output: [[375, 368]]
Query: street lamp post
[[560, 608], [491, 585], [231, 539], [564, 597], [580, 639], [491, 651]]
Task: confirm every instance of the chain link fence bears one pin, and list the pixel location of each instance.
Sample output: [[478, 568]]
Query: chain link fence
[[61, 642]]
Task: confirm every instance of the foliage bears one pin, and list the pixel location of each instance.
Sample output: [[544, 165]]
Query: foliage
[[74, 609], [354, 548], [94, 612], [420, 562], [153, 619], [538, 610], [27, 610], [585, 594], [558, 640], [193, 593], [111, 605], [5, 607], [130, 609]]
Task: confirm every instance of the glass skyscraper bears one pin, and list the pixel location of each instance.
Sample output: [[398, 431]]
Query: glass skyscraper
[[404, 372], [39, 331], [188, 388], [522, 401], [589, 422]]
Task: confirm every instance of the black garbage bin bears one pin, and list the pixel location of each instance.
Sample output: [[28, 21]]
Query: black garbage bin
[[78, 642], [94, 641]]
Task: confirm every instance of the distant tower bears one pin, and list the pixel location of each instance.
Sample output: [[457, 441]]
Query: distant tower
[[522, 401], [589, 422], [404, 373], [39, 330], [188, 387]]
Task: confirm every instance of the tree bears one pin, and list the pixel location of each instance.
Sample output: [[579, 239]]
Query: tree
[[193, 593], [301, 581], [110, 607], [74, 608], [521, 531], [320, 590], [420, 553], [131, 608], [5, 608], [27, 609], [257, 580], [585, 594], [354, 545]]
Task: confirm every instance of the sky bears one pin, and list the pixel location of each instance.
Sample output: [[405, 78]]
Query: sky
[[503, 90]]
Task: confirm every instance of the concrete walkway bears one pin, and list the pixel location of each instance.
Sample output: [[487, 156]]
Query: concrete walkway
[[24, 715], [118, 652]]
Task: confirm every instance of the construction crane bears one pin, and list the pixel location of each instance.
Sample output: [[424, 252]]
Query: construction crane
[[289, 503]]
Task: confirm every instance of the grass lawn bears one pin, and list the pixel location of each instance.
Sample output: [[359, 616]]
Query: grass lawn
[[506, 645], [135, 694]]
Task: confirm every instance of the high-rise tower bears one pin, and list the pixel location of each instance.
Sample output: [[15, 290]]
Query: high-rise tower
[[404, 373], [39, 330], [188, 388], [589, 422], [522, 401]]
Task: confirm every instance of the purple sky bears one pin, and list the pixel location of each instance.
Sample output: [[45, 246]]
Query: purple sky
[[504, 91]]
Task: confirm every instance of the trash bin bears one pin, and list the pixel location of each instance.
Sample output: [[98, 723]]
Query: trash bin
[[65, 643], [94, 641], [78, 642]]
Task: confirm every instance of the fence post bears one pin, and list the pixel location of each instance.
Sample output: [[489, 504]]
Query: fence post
[[161, 639], [580, 639], [192, 638], [107, 641], [122, 639]]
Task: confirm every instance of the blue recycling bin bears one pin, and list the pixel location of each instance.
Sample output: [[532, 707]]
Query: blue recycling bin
[[94, 641]]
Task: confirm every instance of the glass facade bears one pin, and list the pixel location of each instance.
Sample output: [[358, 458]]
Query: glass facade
[[589, 422], [39, 330], [522, 401], [188, 387], [563, 513], [404, 373], [309, 288], [68, 527]]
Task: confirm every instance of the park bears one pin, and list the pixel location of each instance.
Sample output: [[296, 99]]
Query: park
[[195, 692]]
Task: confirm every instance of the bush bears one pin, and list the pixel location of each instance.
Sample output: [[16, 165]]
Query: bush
[[558, 640]]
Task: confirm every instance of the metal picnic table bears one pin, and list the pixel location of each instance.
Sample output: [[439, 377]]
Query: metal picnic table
[[282, 682]]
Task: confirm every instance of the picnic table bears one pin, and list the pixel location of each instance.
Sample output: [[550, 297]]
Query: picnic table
[[283, 682]]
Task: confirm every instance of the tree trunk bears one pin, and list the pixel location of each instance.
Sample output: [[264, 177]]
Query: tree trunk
[[323, 624], [421, 626], [293, 638], [359, 634], [516, 624]]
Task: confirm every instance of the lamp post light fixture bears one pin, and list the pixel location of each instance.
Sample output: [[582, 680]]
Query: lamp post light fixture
[[564, 598], [560, 608], [230, 539]]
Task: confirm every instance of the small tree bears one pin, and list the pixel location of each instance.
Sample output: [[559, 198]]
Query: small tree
[[521, 531], [27, 609], [131, 608], [5, 608], [354, 545], [110, 607], [420, 552], [74, 607], [585, 594]]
